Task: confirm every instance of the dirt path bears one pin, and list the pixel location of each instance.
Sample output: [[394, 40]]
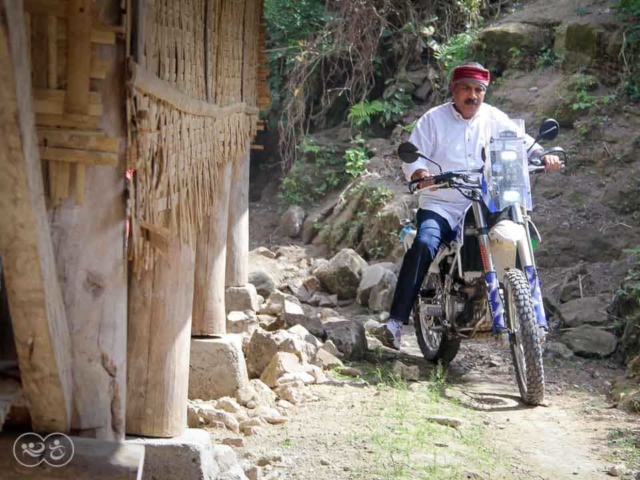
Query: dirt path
[[375, 427]]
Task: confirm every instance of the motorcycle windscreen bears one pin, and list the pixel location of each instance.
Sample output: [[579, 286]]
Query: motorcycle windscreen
[[506, 175]]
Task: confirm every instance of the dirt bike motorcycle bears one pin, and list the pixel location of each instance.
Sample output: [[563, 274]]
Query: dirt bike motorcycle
[[486, 280]]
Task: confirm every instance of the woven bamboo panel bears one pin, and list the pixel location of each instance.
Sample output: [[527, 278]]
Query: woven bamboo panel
[[66, 39], [262, 73], [192, 107], [174, 43]]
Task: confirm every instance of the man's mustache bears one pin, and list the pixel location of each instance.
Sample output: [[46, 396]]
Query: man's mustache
[[471, 101]]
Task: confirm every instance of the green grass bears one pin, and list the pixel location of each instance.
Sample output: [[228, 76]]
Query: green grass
[[402, 444], [626, 445]]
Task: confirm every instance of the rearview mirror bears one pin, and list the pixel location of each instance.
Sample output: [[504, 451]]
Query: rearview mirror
[[549, 129], [408, 152]]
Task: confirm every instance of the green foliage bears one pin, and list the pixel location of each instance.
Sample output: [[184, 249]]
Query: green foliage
[[631, 287], [629, 11], [321, 169], [516, 56], [546, 58], [394, 104], [289, 26], [455, 50], [355, 161], [388, 111], [410, 126], [584, 100], [361, 114]]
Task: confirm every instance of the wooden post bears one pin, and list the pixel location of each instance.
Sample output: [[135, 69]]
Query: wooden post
[[238, 234], [160, 306], [209, 316], [89, 244], [37, 310]]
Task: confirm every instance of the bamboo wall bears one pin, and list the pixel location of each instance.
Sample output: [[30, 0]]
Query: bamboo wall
[[192, 107]]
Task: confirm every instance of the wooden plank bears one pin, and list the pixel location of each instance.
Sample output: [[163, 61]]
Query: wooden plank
[[84, 122], [80, 176], [81, 140], [57, 107], [78, 57], [52, 54], [53, 95], [158, 237], [57, 8], [150, 84], [69, 155], [37, 310], [39, 51], [62, 188], [103, 37], [257, 147]]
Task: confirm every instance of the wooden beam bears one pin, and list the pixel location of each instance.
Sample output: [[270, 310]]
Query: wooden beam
[[78, 57], [145, 81], [35, 300], [70, 155], [78, 139], [84, 122], [47, 7]]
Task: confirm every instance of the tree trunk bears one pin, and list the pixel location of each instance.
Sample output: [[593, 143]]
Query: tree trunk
[[160, 306], [209, 316], [238, 234]]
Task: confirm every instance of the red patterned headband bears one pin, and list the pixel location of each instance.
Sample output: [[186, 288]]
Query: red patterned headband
[[471, 73]]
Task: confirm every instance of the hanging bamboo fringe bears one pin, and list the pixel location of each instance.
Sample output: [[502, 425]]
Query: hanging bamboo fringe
[[192, 103]]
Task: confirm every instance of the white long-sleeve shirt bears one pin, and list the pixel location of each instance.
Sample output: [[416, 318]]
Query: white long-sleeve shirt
[[455, 143]]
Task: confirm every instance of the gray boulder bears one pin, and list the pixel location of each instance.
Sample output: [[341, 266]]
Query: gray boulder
[[264, 345], [557, 350], [382, 293], [590, 342], [292, 221], [341, 275], [295, 315], [348, 336], [371, 276], [264, 282], [584, 311]]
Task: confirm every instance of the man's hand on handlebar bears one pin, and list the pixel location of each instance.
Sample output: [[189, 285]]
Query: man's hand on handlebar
[[428, 179], [552, 162]]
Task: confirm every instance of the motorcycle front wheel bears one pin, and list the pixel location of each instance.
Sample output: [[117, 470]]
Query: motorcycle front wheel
[[523, 337], [435, 346]]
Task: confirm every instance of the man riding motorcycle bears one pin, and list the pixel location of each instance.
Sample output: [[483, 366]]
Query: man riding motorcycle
[[452, 135]]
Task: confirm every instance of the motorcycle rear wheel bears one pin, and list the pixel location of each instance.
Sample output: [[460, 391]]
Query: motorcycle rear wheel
[[525, 345], [435, 346]]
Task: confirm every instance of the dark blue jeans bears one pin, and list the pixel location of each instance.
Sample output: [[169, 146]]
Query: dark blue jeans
[[433, 229]]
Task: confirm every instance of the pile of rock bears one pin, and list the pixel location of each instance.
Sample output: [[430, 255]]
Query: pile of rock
[[282, 337], [586, 329]]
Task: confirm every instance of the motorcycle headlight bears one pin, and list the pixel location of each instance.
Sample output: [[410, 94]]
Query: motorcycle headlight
[[511, 196], [509, 155]]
